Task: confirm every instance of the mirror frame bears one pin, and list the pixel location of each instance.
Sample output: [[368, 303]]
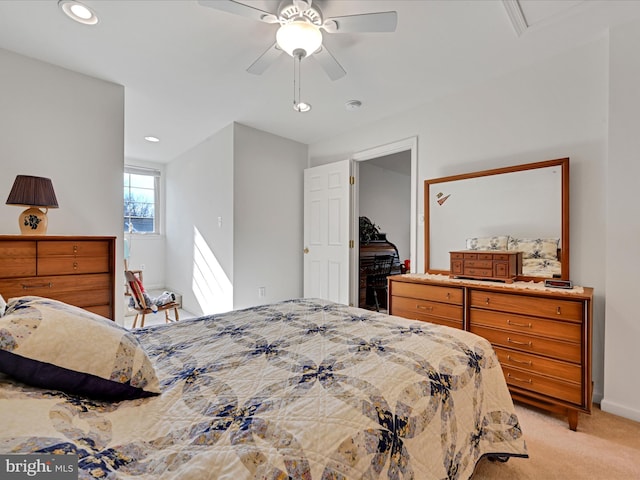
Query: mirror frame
[[564, 240]]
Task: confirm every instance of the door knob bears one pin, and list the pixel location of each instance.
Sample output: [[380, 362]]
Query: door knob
[[306, 250]]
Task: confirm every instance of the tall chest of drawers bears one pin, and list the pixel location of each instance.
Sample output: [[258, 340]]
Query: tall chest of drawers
[[75, 270], [541, 337]]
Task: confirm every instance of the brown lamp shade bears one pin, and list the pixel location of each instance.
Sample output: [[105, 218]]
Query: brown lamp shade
[[32, 192]]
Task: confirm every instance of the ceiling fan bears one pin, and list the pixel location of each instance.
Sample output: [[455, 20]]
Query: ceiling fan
[[299, 34]]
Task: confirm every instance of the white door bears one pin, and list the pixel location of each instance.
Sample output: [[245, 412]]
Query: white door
[[326, 231]]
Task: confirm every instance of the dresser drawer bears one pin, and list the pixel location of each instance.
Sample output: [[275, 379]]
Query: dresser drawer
[[72, 265], [570, 352], [479, 264], [559, 330], [80, 248], [561, 390], [478, 272], [17, 259], [528, 305], [539, 365], [416, 309], [457, 267], [427, 292], [84, 289]]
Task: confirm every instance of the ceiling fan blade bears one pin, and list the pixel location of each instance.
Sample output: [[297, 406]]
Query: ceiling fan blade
[[363, 23], [329, 64], [265, 60], [241, 9]]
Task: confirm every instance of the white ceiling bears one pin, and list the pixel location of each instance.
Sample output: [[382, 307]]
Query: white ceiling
[[184, 65]]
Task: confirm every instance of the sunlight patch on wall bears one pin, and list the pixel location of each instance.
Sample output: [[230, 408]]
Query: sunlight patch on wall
[[210, 285]]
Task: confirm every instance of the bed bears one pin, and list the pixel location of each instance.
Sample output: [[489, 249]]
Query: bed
[[302, 389]]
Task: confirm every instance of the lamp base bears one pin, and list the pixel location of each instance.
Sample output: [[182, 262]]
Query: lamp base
[[33, 221]]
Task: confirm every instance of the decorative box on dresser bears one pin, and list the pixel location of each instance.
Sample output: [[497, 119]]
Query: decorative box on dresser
[[497, 265], [541, 336], [79, 270]]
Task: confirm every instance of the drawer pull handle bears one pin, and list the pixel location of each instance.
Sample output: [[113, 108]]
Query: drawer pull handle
[[558, 311], [519, 379], [523, 362], [515, 324], [448, 295], [487, 301], [42, 285], [515, 342], [75, 265], [422, 307]]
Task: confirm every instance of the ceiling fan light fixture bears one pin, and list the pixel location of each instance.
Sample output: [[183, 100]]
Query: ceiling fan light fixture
[[301, 107], [299, 35]]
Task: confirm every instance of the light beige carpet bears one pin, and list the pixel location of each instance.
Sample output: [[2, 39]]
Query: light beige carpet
[[605, 447]]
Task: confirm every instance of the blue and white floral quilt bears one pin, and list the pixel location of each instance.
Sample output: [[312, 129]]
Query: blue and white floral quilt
[[303, 389]]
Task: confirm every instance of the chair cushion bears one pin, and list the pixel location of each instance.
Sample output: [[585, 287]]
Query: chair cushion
[[50, 344]]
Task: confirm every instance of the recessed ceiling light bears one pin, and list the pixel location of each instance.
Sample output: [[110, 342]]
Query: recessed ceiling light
[[78, 12], [152, 139], [353, 104]]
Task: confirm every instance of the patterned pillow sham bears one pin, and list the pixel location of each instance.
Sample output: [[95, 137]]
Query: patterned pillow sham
[[545, 248], [50, 344], [541, 267], [488, 243]]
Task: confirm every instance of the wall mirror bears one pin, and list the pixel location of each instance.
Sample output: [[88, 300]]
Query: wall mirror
[[513, 207]]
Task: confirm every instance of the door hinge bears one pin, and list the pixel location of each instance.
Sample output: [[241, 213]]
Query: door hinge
[[352, 244], [352, 180]]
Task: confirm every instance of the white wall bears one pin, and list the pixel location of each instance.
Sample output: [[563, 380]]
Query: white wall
[[199, 190], [69, 127], [554, 109], [268, 216], [241, 191], [385, 198], [622, 355]]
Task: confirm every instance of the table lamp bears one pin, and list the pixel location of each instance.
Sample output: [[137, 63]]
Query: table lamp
[[35, 193]]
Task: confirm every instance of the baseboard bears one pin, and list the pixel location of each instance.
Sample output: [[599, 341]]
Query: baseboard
[[620, 410], [597, 397]]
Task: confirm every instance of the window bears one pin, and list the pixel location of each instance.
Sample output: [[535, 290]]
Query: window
[[141, 199]]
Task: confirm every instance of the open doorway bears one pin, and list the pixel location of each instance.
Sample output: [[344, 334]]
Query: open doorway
[[385, 193]]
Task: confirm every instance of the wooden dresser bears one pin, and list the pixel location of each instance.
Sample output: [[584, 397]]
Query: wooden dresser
[[486, 264], [75, 270], [542, 337]]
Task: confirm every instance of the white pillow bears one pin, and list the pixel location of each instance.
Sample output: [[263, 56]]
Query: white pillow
[[544, 248], [488, 243]]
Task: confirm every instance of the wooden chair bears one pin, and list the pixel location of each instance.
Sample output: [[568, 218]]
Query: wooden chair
[[377, 276], [141, 307]]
